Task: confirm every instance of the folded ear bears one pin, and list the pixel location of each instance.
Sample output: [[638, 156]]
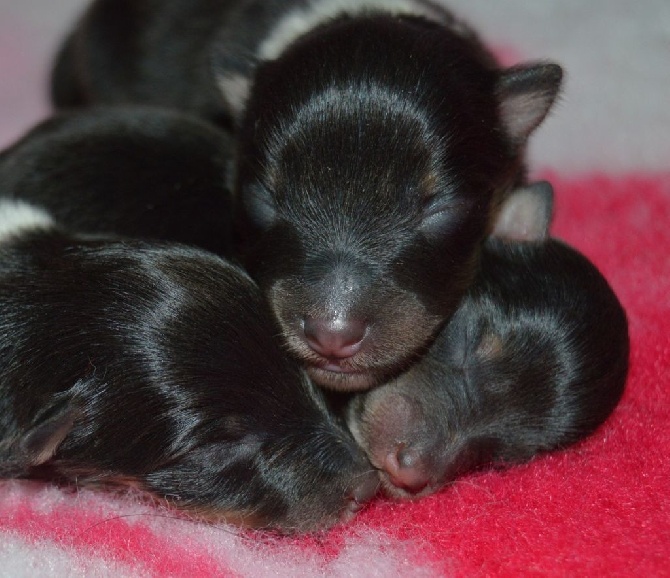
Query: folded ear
[[40, 443], [526, 94], [525, 214]]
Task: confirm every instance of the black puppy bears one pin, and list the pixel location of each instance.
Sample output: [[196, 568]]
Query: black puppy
[[132, 171], [534, 359], [158, 366], [376, 139]]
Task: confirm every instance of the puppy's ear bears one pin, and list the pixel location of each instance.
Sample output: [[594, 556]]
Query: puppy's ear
[[40, 443], [233, 72], [525, 214], [526, 94]]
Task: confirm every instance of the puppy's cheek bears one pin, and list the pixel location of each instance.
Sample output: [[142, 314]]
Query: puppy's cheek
[[438, 273], [331, 499], [404, 326], [286, 297]]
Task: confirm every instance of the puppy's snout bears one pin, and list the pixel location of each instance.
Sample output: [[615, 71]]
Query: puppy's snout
[[363, 490], [339, 338], [405, 469]]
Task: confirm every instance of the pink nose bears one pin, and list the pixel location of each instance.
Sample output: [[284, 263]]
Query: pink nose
[[405, 469], [335, 338]]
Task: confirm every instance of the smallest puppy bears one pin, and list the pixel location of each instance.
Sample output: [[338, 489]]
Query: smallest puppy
[[534, 359]]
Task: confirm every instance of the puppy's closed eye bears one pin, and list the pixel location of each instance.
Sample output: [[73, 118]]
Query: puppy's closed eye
[[442, 217], [260, 207]]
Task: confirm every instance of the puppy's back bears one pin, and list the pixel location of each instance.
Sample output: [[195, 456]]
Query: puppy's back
[[547, 297], [141, 51], [158, 366], [132, 171]]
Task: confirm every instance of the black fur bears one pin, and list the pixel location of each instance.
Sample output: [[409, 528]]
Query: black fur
[[373, 151], [367, 186], [131, 171], [535, 359], [143, 51], [158, 366]]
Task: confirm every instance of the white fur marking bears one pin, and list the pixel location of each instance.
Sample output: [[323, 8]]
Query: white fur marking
[[235, 88], [301, 20], [18, 216]]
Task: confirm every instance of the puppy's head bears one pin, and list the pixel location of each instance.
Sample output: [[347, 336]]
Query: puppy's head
[[296, 473], [371, 155], [482, 395], [421, 431]]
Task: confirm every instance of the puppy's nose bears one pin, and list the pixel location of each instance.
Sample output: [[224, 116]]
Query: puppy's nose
[[339, 338], [405, 469]]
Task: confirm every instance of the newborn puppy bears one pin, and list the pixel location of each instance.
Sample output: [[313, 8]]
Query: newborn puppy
[[376, 139], [534, 360], [132, 171], [157, 366], [157, 52]]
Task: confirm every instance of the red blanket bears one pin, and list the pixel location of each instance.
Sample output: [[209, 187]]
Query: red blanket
[[601, 508], [598, 509]]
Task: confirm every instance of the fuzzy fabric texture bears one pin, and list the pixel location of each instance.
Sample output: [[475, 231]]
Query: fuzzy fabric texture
[[601, 508]]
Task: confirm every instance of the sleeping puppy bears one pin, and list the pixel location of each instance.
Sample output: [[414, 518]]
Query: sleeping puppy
[[535, 359], [375, 142], [132, 171], [156, 52], [157, 366]]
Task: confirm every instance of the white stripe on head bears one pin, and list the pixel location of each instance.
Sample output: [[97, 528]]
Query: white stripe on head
[[236, 89], [17, 217], [301, 20]]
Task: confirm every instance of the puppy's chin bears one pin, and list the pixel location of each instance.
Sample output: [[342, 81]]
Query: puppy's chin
[[397, 493], [343, 380]]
